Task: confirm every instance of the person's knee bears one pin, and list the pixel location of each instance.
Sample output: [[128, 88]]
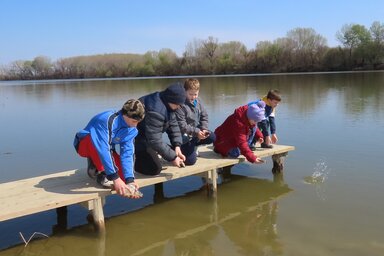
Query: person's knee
[[157, 170], [212, 137], [191, 159], [148, 171], [234, 152]]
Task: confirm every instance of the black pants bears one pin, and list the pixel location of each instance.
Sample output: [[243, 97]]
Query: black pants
[[147, 162]]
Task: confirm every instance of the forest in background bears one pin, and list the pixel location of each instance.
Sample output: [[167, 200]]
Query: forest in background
[[301, 50]]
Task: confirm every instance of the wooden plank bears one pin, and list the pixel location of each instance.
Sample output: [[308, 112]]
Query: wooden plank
[[39, 203], [71, 179], [28, 196]]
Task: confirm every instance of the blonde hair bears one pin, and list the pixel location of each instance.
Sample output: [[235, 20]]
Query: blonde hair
[[191, 84]]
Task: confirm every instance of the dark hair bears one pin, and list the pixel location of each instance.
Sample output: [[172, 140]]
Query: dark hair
[[274, 95], [133, 109]]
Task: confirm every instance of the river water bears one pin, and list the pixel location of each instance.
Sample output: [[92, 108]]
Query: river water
[[328, 202]]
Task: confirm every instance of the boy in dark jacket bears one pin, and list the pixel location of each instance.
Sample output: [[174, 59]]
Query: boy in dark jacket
[[159, 118], [232, 136], [193, 121]]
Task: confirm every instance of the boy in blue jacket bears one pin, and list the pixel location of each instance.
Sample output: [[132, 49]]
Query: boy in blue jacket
[[97, 142], [268, 126]]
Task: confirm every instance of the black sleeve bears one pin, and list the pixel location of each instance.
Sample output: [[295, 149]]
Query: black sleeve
[[173, 131], [272, 125], [154, 124]]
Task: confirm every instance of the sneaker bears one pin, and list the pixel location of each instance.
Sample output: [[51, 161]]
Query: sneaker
[[102, 180], [91, 169], [263, 145], [252, 147]]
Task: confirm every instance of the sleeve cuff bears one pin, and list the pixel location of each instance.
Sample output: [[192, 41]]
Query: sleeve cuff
[[113, 176], [129, 180]]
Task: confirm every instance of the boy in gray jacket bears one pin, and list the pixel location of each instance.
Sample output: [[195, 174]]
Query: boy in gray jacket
[[193, 121]]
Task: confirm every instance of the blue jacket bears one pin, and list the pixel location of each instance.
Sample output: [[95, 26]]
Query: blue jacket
[[269, 120], [108, 129]]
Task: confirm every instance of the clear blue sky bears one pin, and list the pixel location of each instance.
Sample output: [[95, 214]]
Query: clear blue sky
[[64, 28]]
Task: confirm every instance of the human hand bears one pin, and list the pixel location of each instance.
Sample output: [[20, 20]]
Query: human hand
[[119, 186], [267, 140], [178, 162], [127, 190], [179, 153], [203, 134], [274, 138], [260, 140], [259, 161]]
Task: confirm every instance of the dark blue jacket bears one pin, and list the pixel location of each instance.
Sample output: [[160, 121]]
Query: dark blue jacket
[[159, 118], [269, 120]]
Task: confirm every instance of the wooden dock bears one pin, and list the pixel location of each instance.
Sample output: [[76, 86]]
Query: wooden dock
[[38, 194]]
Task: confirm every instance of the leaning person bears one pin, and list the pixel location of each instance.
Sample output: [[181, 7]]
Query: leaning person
[[159, 118], [268, 125], [98, 140], [193, 121], [232, 136]]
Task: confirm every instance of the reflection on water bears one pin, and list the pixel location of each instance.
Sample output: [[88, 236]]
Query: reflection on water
[[190, 225]]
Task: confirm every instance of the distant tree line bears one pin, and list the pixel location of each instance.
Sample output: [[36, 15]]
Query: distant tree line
[[301, 50]]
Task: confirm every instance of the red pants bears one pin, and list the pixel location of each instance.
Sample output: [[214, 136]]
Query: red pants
[[87, 149]]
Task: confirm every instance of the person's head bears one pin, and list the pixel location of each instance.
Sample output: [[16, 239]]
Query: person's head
[[256, 112], [192, 87], [273, 98], [174, 95], [133, 112]]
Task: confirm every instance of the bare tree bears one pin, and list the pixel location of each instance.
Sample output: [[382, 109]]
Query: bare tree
[[308, 46], [377, 31], [268, 56], [231, 56], [21, 70], [208, 50], [191, 62], [167, 60], [42, 66], [375, 53], [286, 53]]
